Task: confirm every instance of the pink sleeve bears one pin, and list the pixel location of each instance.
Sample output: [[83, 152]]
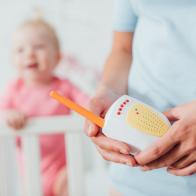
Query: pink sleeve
[[77, 95], [7, 97]]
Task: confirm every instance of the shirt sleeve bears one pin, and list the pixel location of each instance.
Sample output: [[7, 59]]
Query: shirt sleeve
[[124, 17], [73, 92], [79, 96]]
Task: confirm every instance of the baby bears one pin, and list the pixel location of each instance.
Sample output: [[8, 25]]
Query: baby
[[36, 53]]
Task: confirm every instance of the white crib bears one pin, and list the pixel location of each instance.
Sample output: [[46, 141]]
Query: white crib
[[84, 180]]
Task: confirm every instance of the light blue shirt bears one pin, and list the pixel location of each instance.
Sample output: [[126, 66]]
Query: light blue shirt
[[163, 74]]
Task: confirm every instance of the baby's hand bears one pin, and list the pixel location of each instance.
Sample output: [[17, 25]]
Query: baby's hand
[[15, 119]]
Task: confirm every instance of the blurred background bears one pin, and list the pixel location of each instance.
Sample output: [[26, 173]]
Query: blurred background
[[84, 28]]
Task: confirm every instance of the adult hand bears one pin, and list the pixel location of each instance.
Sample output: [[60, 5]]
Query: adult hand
[[111, 150], [176, 150]]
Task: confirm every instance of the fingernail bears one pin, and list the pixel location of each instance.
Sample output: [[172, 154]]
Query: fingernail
[[170, 167], [129, 164], [145, 168]]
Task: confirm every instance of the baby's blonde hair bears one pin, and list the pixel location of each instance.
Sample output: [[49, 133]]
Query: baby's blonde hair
[[41, 23]]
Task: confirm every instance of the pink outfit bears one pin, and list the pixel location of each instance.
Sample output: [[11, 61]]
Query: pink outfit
[[35, 101]]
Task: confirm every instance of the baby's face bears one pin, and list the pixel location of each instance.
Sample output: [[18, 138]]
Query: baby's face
[[34, 53]]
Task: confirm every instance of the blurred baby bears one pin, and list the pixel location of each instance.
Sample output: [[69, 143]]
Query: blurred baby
[[36, 53]]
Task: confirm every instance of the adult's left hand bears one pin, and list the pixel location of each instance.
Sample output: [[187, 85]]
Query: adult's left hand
[[176, 150]]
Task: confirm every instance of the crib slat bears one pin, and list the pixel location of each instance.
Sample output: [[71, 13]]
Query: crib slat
[[9, 182], [3, 167], [75, 164], [32, 166]]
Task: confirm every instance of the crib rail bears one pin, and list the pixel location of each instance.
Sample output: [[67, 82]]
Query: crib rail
[[71, 126]]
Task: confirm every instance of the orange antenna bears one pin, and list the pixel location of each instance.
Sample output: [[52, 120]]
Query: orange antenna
[[79, 109]]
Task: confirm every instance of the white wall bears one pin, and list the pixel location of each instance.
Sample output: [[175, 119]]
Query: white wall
[[84, 27]]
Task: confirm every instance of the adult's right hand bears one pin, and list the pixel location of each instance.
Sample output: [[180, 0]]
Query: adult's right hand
[[111, 150]]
